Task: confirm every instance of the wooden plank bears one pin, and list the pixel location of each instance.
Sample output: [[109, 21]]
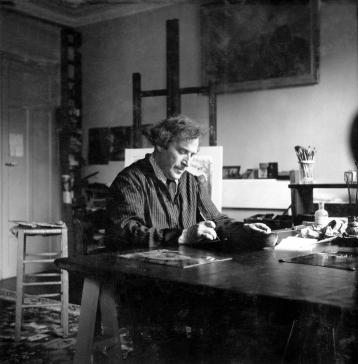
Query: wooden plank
[[89, 303], [320, 185], [182, 91], [152, 93], [193, 90], [110, 322], [173, 98], [212, 115], [137, 109]]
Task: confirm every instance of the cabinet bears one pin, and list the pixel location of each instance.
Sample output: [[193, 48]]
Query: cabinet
[[302, 203]]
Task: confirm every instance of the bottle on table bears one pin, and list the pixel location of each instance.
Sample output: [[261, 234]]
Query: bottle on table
[[321, 216]]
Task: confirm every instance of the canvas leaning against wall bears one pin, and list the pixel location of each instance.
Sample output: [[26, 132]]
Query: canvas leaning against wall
[[250, 45]]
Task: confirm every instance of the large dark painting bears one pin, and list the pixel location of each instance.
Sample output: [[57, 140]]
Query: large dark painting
[[250, 45]]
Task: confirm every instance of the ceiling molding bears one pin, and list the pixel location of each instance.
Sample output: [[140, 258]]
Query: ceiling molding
[[86, 13]]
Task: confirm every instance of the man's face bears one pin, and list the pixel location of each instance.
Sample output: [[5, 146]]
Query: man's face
[[175, 159]]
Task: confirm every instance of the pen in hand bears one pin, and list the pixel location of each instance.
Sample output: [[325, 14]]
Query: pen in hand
[[206, 220]]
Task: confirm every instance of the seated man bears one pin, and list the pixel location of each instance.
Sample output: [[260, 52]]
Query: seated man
[[156, 202]]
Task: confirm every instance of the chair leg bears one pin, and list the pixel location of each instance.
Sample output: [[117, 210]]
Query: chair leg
[[19, 283], [64, 302], [64, 284]]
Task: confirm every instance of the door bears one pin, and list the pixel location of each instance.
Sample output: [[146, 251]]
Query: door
[[29, 171]]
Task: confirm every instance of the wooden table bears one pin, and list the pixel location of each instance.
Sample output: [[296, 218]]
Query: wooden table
[[256, 274]]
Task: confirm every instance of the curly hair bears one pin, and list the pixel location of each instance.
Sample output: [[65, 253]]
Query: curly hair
[[177, 127]]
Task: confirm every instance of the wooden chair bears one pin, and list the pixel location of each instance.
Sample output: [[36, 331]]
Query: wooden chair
[[25, 259]]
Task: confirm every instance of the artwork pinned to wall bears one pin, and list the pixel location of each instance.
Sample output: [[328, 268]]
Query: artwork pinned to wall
[[250, 45]]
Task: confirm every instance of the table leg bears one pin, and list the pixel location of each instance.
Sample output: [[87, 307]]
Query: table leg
[[110, 323], [89, 302]]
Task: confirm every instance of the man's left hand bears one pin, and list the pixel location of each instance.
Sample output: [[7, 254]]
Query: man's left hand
[[262, 233]]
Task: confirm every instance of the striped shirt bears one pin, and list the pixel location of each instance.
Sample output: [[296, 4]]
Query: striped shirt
[[142, 213]]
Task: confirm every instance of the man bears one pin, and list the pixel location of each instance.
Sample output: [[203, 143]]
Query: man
[[156, 202]]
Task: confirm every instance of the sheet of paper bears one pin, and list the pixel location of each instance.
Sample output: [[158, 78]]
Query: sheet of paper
[[16, 142], [295, 243]]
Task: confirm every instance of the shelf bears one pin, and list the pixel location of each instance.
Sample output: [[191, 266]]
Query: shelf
[[303, 199], [320, 185]]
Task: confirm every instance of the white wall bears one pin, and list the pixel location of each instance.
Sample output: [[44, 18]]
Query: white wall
[[29, 38], [253, 127]]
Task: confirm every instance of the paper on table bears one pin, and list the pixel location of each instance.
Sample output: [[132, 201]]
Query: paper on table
[[296, 243]]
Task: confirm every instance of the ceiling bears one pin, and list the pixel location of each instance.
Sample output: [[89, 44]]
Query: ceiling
[[75, 13]]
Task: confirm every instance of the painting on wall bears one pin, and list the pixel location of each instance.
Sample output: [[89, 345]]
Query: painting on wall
[[98, 145], [121, 137], [251, 45]]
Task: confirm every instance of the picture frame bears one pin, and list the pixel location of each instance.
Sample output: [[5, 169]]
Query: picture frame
[[253, 45], [231, 172]]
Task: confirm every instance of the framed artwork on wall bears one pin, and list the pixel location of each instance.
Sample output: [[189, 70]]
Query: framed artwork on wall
[[252, 45], [231, 172]]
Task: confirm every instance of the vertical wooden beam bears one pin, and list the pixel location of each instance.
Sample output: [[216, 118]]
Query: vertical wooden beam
[[173, 98], [212, 114], [137, 110]]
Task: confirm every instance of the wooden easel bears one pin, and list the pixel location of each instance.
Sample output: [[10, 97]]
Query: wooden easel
[[173, 91]]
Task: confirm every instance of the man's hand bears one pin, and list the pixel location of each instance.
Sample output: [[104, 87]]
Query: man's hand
[[262, 233], [196, 233], [258, 227]]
